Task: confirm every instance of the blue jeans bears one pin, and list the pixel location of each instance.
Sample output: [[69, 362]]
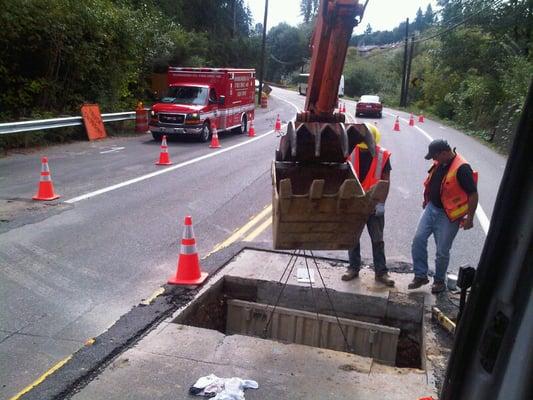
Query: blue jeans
[[433, 221], [375, 225]]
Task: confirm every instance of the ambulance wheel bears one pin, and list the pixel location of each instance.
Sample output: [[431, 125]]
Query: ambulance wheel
[[244, 125], [156, 136], [205, 134]]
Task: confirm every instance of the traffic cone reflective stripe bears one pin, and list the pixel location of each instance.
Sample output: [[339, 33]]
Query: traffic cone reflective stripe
[[397, 124], [188, 249], [188, 270], [46, 187], [251, 129], [411, 120], [215, 144], [164, 158]]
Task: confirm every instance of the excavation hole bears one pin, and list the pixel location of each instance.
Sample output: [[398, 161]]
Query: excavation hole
[[387, 330]]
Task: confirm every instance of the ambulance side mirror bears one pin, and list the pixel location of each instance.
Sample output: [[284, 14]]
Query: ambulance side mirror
[[221, 100]]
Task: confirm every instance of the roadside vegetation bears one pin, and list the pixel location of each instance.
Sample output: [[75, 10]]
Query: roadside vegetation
[[472, 59], [472, 65]]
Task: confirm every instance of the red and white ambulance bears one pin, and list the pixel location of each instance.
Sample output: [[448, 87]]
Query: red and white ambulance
[[197, 97]]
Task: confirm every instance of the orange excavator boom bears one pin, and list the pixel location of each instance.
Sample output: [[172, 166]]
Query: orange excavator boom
[[333, 30], [318, 201]]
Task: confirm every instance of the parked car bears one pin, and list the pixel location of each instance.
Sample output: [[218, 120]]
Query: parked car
[[369, 105]]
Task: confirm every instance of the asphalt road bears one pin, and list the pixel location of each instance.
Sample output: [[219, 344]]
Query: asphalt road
[[71, 268]]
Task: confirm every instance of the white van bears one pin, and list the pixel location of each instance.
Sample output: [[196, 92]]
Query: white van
[[302, 85]]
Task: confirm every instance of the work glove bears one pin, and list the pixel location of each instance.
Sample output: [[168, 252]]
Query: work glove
[[380, 210]]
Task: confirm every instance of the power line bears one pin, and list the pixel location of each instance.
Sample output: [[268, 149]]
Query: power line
[[284, 62], [450, 28]]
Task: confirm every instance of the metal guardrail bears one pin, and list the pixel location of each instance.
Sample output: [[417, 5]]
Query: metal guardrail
[[41, 124]]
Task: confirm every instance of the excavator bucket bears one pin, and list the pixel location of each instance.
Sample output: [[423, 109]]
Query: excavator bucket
[[318, 202]]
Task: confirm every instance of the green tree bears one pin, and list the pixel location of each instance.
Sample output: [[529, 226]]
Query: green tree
[[289, 50], [308, 9], [419, 24], [429, 16]]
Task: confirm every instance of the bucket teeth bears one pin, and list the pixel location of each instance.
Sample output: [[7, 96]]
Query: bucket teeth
[[323, 142]]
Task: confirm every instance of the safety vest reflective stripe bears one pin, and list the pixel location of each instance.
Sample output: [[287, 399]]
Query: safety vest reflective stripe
[[376, 167], [458, 212], [379, 165]]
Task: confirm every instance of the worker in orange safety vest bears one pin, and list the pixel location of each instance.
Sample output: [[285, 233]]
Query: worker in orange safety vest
[[450, 202], [370, 170]]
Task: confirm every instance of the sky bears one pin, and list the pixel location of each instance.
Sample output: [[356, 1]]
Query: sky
[[380, 14]]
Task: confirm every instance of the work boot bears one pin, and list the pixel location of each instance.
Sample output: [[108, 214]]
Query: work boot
[[385, 279], [351, 273], [438, 287], [417, 282]]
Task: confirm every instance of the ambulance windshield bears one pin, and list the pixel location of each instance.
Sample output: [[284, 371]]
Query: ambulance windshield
[[186, 95]]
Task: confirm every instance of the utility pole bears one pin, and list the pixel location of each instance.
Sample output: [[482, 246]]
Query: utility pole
[[262, 70], [408, 76], [234, 19], [402, 94]]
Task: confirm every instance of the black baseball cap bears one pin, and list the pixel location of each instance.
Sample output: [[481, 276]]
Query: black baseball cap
[[436, 147]]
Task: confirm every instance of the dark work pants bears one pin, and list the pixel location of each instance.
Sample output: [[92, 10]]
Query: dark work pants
[[375, 227]]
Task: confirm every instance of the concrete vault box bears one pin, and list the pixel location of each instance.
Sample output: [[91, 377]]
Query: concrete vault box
[[302, 327], [246, 300]]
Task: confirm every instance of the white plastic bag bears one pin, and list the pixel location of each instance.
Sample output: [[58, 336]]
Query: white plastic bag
[[222, 388]]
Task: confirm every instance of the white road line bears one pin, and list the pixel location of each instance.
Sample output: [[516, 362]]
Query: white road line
[[288, 102], [429, 138], [112, 150], [351, 118], [163, 171], [169, 169]]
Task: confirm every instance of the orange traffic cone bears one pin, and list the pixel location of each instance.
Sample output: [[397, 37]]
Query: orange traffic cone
[[188, 271], [397, 124], [411, 120], [46, 187], [343, 108], [215, 144], [421, 118], [251, 129], [277, 126], [164, 159]]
